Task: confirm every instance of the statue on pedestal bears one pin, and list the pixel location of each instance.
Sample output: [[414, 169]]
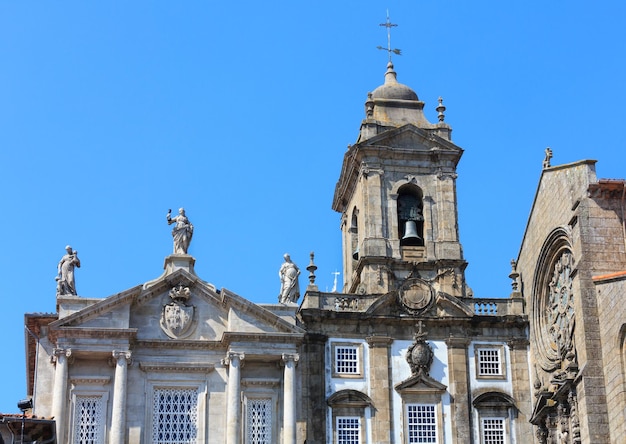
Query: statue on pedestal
[[182, 231], [65, 277], [289, 286]]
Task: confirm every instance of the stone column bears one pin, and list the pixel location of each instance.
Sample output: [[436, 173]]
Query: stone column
[[121, 359], [289, 398], [59, 397], [381, 386], [233, 397], [459, 390]]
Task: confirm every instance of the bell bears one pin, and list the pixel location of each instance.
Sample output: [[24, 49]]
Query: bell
[[355, 254], [410, 234]]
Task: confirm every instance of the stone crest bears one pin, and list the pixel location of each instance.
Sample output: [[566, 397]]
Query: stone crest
[[177, 317], [420, 354], [415, 295]]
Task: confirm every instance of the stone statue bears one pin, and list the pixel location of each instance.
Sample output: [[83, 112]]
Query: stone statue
[[289, 286], [546, 160], [65, 269], [182, 231]]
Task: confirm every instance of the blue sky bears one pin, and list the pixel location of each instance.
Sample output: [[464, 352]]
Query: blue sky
[[113, 112]]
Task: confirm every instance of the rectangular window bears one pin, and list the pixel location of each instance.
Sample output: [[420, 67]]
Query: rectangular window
[[348, 430], [492, 430], [489, 362], [174, 416], [421, 423], [347, 360], [259, 421], [88, 420]]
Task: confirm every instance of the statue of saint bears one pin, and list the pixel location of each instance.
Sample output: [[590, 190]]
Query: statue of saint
[[289, 286], [182, 231], [65, 277]]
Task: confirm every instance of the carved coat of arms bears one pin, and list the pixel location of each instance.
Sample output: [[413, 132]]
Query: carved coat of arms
[[178, 318]]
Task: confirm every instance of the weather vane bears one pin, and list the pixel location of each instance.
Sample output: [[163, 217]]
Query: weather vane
[[389, 25]]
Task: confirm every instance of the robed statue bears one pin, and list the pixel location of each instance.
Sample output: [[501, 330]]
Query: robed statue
[[65, 272], [289, 286], [182, 231]]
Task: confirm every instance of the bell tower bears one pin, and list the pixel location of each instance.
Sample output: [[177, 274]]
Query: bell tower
[[397, 197]]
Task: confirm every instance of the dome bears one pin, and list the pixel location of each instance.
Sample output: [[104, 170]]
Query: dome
[[393, 90]]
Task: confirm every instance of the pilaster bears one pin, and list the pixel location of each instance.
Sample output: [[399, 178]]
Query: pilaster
[[459, 389], [380, 387]]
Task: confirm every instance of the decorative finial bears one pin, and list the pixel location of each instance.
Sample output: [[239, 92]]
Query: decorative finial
[[546, 160], [311, 269], [514, 275], [440, 109], [389, 25]]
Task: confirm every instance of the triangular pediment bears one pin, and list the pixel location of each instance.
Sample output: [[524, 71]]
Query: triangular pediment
[[178, 306], [420, 383], [411, 137]]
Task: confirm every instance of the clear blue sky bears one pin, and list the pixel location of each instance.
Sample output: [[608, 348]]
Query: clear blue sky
[[113, 112]]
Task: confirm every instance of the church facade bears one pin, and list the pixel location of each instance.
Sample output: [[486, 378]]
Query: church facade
[[404, 353]]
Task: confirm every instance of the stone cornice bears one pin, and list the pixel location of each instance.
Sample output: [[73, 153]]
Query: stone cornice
[[281, 338], [260, 382], [92, 333], [90, 380], [379, 341], [180, 344], [172, 367]]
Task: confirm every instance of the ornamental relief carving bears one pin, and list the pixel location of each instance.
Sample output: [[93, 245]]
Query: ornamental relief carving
[[559, 318], [555, 314]]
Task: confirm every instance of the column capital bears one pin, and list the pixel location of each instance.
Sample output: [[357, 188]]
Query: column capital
[[60, 353], [118, 355], [232, 356], [290, 357], [457, 342], [379, 341], [518, 343]]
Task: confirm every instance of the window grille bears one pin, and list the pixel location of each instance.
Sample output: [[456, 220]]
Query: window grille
[[347, 360], [175, 416], [493, 431], [348, 430], [489, 362], [88, 420], [422, 423], [259, 421]]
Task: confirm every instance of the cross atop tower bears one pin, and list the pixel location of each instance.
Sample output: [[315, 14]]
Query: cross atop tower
[[389, 25]]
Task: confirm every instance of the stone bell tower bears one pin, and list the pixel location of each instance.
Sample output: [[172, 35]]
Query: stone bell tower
[[397, 197]]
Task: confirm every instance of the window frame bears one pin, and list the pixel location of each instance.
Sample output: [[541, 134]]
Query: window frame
[[102, 427], [201, 409], [255, 389], [478, 348], [89, 386], [335, 346], [503, 420], [359, 428], [436, 425]]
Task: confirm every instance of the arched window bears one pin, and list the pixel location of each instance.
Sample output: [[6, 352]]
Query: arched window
[[354, 234], [410, 216]]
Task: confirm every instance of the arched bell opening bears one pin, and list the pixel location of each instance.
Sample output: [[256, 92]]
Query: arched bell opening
[[410, 216]]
